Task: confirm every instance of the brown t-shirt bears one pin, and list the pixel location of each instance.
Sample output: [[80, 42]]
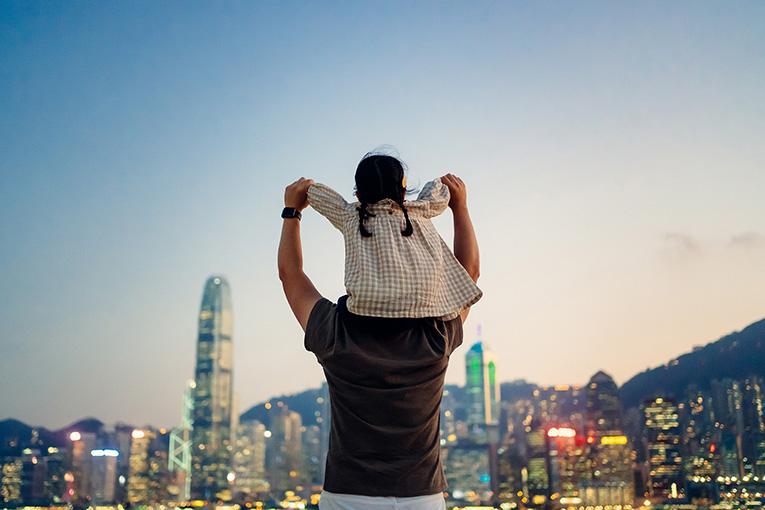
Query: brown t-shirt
[[385, 379]]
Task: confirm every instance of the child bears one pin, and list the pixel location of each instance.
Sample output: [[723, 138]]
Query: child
[[396, 263]]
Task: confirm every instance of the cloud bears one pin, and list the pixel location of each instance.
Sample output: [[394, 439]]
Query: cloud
[[747, 240], [679, 246]]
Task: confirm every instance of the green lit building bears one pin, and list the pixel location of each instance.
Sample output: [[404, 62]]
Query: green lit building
[[482, 393]]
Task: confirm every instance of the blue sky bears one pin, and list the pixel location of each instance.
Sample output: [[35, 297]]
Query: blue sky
[[613, 154]]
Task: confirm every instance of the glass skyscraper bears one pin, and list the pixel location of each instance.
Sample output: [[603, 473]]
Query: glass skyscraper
[[211, 437], [482, 392]]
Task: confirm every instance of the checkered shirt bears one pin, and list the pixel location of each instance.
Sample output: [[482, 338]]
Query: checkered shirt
[[389, 275]]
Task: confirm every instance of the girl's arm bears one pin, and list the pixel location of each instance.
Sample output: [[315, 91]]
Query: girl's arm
[[433, 198], [329, 203]]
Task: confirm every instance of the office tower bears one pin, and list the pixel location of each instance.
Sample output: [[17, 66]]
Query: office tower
[[284, 456], [103, 481], [467, 469], [139, 477], [607, 477], [482, 393], [753, 441], [82, 443], [565, 450], [211, 436], [249, 461], [11, 473], [662, 440]]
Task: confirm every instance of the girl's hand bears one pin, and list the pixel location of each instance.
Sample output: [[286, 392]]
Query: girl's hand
[[296, 194], [457, 191]]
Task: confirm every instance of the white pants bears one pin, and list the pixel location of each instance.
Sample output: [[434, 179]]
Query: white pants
[[333, 501]]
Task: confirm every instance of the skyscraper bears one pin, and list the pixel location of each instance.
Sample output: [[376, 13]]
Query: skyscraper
[[211, 444], [482, 392], [662, 438], [607, 479]]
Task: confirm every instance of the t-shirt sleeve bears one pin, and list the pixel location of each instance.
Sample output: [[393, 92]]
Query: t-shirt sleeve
[[320, 330], [329, 203], [433, 199]]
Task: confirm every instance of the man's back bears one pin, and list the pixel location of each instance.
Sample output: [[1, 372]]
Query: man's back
[[385, 379]]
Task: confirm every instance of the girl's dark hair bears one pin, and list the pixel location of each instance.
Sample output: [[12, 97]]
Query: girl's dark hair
[[379, 176]]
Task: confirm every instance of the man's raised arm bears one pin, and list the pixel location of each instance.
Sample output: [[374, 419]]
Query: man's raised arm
[[465, 242], [298, 288]]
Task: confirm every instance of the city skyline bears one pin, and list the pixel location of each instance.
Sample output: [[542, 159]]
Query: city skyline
[[612, 155]]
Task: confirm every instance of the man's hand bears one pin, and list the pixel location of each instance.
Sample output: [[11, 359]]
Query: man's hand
[[457, 191], [296, 194], [300, 292]]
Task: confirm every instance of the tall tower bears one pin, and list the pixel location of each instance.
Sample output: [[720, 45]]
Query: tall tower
[[662, 441], [608, 478], [483, 392], [211, 436]]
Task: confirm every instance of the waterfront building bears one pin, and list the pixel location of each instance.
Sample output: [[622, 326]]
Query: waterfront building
[[212, 394], [662, 442], [139, 476], [607, 475], [483, 393], [284, 456], [249, 461]]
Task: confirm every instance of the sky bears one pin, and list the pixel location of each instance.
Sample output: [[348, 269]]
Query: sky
[[613, 153]]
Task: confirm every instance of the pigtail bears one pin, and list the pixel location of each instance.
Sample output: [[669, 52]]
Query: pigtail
[[363, 216], [408, 230]]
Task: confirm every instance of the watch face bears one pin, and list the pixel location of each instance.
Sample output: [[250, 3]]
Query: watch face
[[290, 212]]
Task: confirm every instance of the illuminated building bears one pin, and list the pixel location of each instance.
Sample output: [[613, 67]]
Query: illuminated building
[[103, 483], [139, 478], [565, 448], [607, 476], [211, 436], [249, 462], [284, 457], [537, 482], [482, 393], [82, 443], [753, 441], [11, 469], [662, 438], [467, 470]]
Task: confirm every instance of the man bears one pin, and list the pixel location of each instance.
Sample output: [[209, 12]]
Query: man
[[385, 377]]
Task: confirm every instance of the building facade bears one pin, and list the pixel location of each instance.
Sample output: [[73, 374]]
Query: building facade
[[213, 398]]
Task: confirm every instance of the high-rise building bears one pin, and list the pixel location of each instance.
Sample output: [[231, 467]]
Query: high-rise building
[[607, 477], [250, 461], [211, 437], [662, 438], [284, 455], [482, 392]]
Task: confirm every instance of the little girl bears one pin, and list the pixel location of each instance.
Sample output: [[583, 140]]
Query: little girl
[[396, 263]]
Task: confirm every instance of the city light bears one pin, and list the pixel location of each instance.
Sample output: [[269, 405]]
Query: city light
[[139, 434], [613, 440], [231, 477], [75, 436], [104, 453], [561, 432]]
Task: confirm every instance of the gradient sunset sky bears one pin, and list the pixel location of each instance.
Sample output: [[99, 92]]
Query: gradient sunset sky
[[614, 154]]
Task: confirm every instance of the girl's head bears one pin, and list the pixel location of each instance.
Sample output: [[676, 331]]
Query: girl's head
[[379, 176]]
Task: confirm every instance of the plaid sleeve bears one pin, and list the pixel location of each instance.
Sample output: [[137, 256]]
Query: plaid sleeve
[[329, 204], [433, 198]]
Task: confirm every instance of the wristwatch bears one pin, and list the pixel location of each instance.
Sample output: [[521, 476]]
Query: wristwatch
[[290, 212]]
